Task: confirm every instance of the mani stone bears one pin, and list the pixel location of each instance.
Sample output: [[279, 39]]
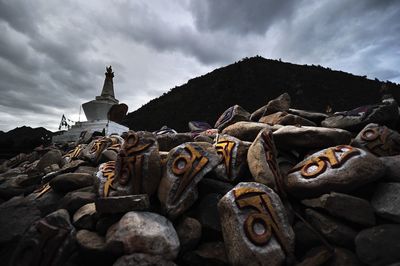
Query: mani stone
[[167, 142], [386, 201], [138, 166], [186, 165], [71, 181], [92, 152], [247, 131], [378, 140], [283, 118], [49, 241], [334, 230], [341, 169], [232, 115], [392, 168], [379, 245], [143, 232], [122, 204], [292, 137], [259, 157], [233, 153], [344, 206], [255, 226], [281, 103]]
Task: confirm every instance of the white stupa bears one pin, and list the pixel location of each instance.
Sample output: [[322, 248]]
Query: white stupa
[[97, 114]]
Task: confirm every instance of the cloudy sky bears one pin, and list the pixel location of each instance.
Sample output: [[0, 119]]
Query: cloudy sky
[[53, 53]]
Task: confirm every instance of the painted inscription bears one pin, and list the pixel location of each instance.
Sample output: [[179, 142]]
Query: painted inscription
[[108, 170], [379, 141], [75, 153], [225, 150], [186, 167], [226, 116], [335, 157], [129, 162], [262, 223]]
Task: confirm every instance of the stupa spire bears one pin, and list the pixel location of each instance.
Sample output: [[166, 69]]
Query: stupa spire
[[108, 87]]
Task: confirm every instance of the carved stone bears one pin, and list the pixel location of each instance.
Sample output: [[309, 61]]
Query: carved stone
[[232, 115]]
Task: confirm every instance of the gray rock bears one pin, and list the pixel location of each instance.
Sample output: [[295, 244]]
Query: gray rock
[[344, 206], [167, 142], [340, 169], [281, 103], [186, 166], [207, 212], [392, 168], [189, 233], [313, 116], [283, 118], [51, 157], [386, 201], [140, 259], [334, 230], [291, 137], [245, 212], [232, 115], [379, 245], [138, 166], [143, 232], [84, 169], [16, 215], [72, 201], [71, 181], [233, 153], [49, 241], [247, 131], [379, 140], [122, 204], [85, 217], [90, 241]]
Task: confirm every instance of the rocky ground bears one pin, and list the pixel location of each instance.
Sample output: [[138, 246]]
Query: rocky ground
[[279, 186]]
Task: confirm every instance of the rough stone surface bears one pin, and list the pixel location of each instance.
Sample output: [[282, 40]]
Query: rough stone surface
[[392, 164], [379, 140], [71, 181], [247, 131], [334, 230], [189, 233], [253, 246], [281, 103], [344, 206], [143, 232], [283, 118], [207, 212], [85, 217], [310, 137], [123, 204], [232, 115], [186, 166], [141, 259], [51, 157], [167, 142], [386, 201], [90, 241], [340, 169], [312, 116], [72, 201], [379, 245]]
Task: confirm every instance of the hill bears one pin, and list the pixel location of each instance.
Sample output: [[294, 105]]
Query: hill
[[250, 83]]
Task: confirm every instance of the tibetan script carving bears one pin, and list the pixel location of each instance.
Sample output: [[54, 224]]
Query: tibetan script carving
[[262, 223], [379, 141], [108, 170], [335, 157], [224, 149]]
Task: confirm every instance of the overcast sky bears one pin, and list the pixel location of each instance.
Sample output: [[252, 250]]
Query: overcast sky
[[53, 53]]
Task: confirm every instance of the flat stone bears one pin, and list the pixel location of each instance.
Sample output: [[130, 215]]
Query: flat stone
[[392, 164], [379, 245], [185, 167], [189, 233], [143, 232], [85, 217], [121, 204], [90, 241], [71, 181], [247, 131], [232, 115], [379, 140], [283, 118], [244, 212], [316, 117], [141, 259], [340, 169], [335, 231], [72, 201], [51, 157], [344, 257], [307, 137], [167, 142], [84, 169], [344, 206], [386, 201], [281, 103]]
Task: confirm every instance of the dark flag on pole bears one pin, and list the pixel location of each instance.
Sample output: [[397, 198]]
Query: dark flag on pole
[[63, 123]]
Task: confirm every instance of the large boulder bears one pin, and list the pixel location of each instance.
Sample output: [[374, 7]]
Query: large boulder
[[232, 115], [386, 201]]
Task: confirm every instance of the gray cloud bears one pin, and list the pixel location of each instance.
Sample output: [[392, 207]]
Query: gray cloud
[[52, 55]]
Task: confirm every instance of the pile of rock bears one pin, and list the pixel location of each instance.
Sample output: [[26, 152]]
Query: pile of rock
[[278, 186]]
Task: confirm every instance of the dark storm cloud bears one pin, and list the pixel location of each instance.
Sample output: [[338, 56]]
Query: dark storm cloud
[[53, 54]]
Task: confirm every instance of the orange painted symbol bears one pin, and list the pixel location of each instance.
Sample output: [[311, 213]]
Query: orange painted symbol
[[225, 149], [108, 170]]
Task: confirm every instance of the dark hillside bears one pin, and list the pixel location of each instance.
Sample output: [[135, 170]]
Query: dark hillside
[[250, 83]]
